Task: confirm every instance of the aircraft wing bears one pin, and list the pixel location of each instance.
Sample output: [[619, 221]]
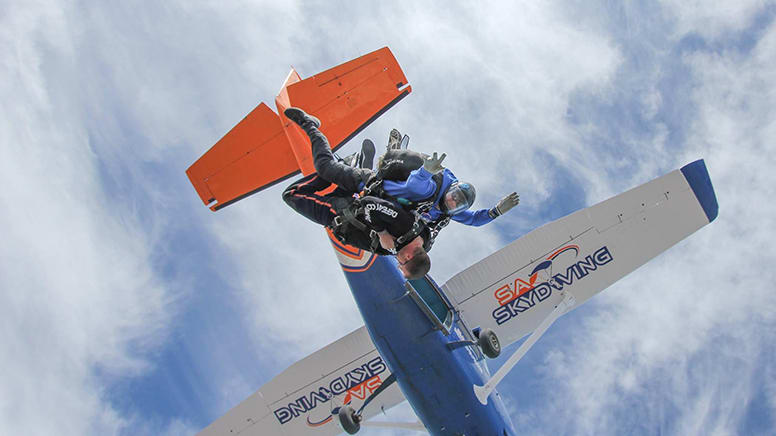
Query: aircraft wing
[[515, 288], [299, 401]]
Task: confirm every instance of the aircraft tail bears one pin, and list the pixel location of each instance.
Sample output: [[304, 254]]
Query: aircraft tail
[[266, 148]]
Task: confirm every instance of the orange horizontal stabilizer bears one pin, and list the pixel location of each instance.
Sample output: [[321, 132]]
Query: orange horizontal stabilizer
[[265, 148], [346, 99], [255, 154]]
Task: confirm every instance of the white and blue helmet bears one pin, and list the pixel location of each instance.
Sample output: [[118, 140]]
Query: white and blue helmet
[[458, 197]]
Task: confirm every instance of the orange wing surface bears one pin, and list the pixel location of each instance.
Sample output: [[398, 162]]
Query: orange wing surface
[[255, 154], [264, 148], [346, 99]]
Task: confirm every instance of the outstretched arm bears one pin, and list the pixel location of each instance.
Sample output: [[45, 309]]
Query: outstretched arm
[[504, 205], [484, 216], [473, 218]]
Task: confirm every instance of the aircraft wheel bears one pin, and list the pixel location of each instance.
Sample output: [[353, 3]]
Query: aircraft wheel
[[348, 419], [489, 344]]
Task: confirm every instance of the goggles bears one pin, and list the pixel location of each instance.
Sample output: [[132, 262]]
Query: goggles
[[458, 197]]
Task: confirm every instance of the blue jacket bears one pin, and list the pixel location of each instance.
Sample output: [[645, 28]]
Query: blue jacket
[[419, 186]]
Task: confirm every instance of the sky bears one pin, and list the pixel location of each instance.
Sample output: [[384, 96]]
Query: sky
[[127, 307]]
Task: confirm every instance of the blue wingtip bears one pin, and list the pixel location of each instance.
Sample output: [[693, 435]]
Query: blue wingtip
[[698, 177]]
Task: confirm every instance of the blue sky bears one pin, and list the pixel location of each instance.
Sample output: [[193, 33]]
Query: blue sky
[[130, 308]]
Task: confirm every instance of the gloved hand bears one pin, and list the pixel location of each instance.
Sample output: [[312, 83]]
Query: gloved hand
[[432, 164], [504, 205]]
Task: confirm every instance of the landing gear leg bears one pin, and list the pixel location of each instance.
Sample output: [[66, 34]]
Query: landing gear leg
[[486, 340], [349, 419], [563, 306]]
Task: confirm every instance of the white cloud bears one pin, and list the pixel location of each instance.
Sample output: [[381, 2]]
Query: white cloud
[[712, 20], [175, 427], [80, 300]]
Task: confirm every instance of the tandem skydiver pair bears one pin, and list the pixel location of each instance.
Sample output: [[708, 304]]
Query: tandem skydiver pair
[[398, 209]]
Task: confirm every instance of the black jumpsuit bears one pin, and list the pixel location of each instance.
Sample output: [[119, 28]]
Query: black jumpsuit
[[305, 197]]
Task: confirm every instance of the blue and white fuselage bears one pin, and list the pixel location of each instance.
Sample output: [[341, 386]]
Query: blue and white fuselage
[[435, 376]]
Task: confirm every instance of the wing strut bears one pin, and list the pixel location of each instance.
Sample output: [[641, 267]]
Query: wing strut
[[482, 392], [417, 426]]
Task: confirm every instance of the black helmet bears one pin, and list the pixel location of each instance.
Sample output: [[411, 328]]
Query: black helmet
[[458, 197]]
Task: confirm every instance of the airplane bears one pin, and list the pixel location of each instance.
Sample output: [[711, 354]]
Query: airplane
[[422, 342]]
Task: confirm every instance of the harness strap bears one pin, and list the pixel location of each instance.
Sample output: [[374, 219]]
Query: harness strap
[[417, 228], [434, 227], [375, 243], [438, 178], [349, 215], [374, 187], [346, 217]]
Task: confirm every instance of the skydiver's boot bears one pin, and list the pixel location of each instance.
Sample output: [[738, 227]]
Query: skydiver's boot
[[301, 118], [394, 140], [364, 158], [367, 154], [352, 160], [310, 124]]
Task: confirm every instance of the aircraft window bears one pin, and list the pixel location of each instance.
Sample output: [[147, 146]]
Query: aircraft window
[[429, 294]]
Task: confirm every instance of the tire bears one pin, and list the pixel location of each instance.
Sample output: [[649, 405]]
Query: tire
[[489, 343], [348, 419]]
